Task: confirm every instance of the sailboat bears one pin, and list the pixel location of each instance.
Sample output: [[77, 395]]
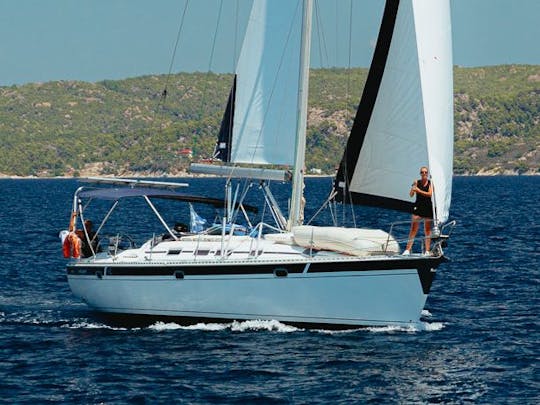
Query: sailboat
[[294, 273]]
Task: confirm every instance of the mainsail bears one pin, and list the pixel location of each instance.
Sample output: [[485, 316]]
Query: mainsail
[[405, 117], [265, 98]]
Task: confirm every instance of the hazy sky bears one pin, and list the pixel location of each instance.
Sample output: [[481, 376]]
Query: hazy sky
[[91, 40]]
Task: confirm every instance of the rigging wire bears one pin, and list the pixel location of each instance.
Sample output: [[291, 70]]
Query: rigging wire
[[178, 35], [323, 52], [215, 36], [234, 62], [215, 153], [204, 91], [348, 98], [331, 202], [160, 106], [336, 47], [235, 56], [235, 37]]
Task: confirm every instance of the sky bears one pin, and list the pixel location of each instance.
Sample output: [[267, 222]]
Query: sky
[[93, 40]]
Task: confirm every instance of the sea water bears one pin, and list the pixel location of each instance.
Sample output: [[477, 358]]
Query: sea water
[[478, 340]]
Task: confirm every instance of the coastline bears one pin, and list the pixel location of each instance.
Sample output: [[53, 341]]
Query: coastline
[[181, 175]]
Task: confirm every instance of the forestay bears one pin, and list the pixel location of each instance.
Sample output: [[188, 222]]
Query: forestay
[[405, 117]]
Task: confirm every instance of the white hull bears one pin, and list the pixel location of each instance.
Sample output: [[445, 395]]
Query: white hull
[[331, 289]]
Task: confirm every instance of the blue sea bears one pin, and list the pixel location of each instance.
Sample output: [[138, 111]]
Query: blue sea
[[479, 340]]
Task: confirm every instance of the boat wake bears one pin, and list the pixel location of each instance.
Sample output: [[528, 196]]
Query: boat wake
[[93, 325], [276, 326], [413, 328], [52, 319], [417, 327], [235, 326]]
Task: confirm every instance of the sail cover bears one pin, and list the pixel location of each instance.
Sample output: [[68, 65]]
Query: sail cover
[[405, 117], [267, 81]]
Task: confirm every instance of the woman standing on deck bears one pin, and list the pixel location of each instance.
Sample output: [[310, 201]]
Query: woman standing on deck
[[422, 210]]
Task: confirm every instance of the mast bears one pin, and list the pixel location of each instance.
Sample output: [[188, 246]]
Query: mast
[[296, 209]]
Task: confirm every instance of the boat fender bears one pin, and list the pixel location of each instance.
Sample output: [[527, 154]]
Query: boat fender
[[66, 248], [71, 246]]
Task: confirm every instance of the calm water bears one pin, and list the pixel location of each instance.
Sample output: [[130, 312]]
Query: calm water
[[479, 341]]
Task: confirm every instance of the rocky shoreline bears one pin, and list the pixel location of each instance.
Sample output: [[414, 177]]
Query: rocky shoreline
[[481, 173]]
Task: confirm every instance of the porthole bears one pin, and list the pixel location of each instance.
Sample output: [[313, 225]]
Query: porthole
[[179, 274], [281, 272]]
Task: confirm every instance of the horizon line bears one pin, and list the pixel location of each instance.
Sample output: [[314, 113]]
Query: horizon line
[[460, 66]]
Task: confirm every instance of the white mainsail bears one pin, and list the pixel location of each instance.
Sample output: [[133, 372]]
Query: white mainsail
[[265, 116], [411, 122]]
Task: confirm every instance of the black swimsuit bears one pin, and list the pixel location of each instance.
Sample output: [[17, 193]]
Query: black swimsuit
[[422, 206]]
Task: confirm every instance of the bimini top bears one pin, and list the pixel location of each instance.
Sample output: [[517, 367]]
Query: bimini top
[[115, 194]]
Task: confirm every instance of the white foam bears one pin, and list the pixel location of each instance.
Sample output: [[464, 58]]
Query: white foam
[[394, 328], [90, 325], [235, 326], [162, 326], [411, 328], [32, 319], [271, 325], [211, 327], [433, 326], [276, 326], [375, 329], [336, 331]]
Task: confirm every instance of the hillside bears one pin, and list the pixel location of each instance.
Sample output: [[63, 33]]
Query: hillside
[[125, 127]]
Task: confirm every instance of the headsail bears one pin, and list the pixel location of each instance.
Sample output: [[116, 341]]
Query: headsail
[[265, 114], [405, 117]]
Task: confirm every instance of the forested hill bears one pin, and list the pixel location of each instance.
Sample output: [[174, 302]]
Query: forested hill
[[126, 127]]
